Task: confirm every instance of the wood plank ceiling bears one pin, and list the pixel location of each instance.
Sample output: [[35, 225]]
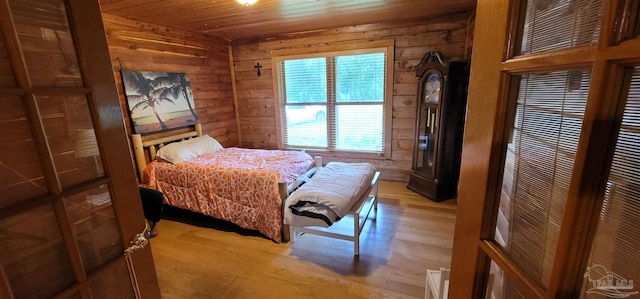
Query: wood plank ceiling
[[274, 18]]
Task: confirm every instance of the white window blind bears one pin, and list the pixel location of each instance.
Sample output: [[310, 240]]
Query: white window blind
[[538, 168], [304, 120], [579, 19], [334, 102], [615, 249]]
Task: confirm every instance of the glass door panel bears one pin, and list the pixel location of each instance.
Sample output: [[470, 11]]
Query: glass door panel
[[538, 167], [21, 175], [613, 266], [7, 78], [94, 227], [46, 42], [116, 274], [629, 22], [72, 141], [553, 25], [499, 286], [33, 254]]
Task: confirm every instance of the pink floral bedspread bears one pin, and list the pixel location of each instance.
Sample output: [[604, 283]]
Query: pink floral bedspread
[[234, 184]]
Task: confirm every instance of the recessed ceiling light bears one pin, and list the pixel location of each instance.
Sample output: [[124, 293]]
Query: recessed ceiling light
[[247, 2]]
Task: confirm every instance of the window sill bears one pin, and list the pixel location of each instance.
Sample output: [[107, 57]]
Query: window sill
[[344, 154]]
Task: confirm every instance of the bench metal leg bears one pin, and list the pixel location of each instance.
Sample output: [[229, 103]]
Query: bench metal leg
[[356, 234]]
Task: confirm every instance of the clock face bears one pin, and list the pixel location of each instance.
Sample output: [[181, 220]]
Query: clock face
[[432, 89]]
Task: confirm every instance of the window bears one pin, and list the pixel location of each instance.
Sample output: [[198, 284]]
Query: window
[[335, 101]]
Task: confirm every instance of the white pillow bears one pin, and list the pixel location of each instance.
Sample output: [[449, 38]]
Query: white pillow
[[179, 152]]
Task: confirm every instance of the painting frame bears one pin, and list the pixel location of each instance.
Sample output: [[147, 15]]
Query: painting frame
[[158, 101]]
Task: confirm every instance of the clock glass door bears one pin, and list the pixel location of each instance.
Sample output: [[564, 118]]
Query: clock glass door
[[428, 124]]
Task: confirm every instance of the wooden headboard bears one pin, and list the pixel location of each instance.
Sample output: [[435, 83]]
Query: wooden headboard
[[139, 146]]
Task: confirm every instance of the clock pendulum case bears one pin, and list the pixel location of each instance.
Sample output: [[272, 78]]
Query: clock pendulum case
[[441, 106]]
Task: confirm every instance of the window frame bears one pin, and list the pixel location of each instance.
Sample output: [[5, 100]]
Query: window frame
[[386, 46]]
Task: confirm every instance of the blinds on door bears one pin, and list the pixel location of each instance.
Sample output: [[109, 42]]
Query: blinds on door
[[538, 167], [552, 25], [615, 253]]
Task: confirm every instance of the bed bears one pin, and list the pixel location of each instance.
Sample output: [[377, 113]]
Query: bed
[[278, 193], [239, 185]]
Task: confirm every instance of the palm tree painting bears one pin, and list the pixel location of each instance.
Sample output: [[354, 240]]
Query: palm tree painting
[[158, 101]]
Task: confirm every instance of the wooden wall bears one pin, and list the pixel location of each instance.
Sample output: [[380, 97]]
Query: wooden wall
[[413, 39], [147, 47]]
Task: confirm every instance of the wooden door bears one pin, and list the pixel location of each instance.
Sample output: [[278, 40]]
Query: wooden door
[[69, 203], [548, 196]]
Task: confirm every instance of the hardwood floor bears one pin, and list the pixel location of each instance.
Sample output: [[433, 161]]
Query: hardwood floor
[[200, 257]]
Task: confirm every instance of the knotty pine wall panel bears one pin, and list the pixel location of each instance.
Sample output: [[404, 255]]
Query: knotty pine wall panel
[[141, 46], [413, 39]]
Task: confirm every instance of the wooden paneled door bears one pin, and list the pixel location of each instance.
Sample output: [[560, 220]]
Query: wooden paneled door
[[69, 203], [548, 199]]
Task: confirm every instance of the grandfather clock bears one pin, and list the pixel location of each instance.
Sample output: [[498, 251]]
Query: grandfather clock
[[441, 107]]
